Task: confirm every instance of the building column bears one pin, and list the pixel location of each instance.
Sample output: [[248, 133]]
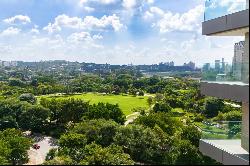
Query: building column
[[245, 60], [245, 126]]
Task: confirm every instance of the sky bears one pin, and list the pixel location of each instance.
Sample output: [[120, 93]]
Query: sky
[[112, 31]]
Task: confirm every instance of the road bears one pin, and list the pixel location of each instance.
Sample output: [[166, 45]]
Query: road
[[37, 157]]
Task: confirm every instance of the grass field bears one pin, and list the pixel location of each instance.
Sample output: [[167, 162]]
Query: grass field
[[126, 103]]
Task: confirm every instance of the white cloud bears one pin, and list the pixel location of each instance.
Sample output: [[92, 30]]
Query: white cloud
[[34, 30], [89, 9], [18, 19], [150, 1], [128, 4], [51, 28], [88, 23], [168, 21], [79, 37], [153, 12], [10, 31], [97, 37], [91, 22], [157, 11], [230, 5], [63, 21], [105, 2]]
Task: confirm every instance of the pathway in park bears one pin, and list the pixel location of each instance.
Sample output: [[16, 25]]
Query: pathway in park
[[130, 118], [37, 157]]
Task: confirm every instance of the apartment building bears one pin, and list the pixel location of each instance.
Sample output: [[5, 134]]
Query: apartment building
[[237, 59], [229, 19]]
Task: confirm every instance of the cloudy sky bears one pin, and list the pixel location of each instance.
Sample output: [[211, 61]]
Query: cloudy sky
[[109, 31]]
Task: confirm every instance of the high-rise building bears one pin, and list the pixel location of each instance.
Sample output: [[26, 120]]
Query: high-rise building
[[171, 63], [226, 22], [206, 67], [223, 66], [237, 59], [217, 66], [190, 64]]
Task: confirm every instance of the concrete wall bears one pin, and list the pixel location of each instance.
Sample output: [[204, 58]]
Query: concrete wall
[[245, 59], [245, 126], [238, 93], [220, 155], [237, 22], [245, 105]]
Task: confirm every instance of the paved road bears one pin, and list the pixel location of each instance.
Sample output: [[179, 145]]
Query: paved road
[[37, 157]]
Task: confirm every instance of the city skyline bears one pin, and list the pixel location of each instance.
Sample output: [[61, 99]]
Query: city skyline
[[109, 31]]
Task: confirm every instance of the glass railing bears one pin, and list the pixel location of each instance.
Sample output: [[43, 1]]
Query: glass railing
[[220, 130], [235, 73], [218, 8]]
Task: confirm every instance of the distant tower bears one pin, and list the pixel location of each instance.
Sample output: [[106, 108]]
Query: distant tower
[[223, 65], [206, 67], [217, 66]]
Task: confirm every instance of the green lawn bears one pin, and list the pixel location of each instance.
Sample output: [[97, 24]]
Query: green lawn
[[126, 103]]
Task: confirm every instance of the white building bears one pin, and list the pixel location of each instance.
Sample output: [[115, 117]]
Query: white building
[[237, 59]]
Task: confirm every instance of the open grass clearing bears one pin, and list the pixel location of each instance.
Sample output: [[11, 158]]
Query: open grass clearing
[[126, 102]]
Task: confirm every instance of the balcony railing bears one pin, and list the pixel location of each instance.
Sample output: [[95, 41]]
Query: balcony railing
[[234, 73], [221, 130], [218, 8]]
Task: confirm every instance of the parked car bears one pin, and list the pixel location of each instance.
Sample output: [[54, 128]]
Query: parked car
[[36, 146]]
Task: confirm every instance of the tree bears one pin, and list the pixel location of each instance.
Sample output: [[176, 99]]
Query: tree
[[192, 134], [61, 160], [100, 131], [16, 82], [112, 155], [106, 111], [17, 146], [141, 93], [142, 144], [73, 140], [161, 107], [212, 107], [34, 118], [10, 112], [165, 121], [65, 110], [132, 91], [174, 101], [184, 153], [158, 97], [28, 97], [4, 152], [233, 116], [150, 100]]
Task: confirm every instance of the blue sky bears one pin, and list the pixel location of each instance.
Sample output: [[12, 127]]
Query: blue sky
[[109, 31]]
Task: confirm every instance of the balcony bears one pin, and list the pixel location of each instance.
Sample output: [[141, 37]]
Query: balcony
[[226, 18], [222, 142], [227, 80]]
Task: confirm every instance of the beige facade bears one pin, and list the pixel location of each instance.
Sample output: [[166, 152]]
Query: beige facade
[[245, 126], [245, 105]]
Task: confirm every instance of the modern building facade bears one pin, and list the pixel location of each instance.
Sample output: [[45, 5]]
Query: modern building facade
[[224, 22]]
